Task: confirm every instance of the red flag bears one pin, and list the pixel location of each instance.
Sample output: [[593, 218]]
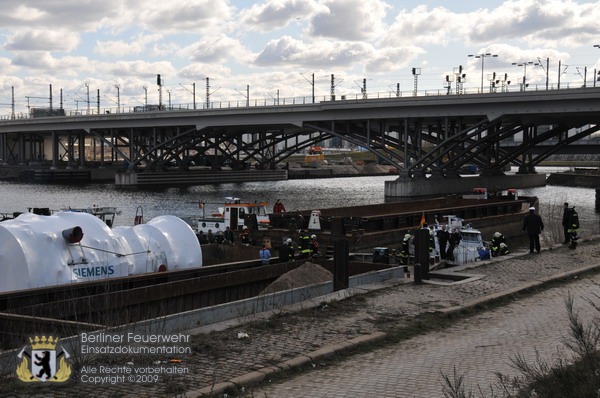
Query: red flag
[[200, 204], [422, 219]]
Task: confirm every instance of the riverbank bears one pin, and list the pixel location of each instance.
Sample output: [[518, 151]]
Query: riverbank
[[44, 174], [315, 335], [585, 177]]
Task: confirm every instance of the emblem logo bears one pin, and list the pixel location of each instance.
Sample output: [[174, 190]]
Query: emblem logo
[[43, 359]]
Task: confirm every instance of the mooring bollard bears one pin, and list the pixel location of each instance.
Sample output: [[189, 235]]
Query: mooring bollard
[[422, 251], [340, 265], [418, 274]]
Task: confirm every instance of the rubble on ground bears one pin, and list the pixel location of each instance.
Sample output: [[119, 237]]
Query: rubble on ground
[[307, 274]]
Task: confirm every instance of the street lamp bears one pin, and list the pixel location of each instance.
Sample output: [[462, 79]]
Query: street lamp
[[118, 98], [524, 65], [596, 75], [482, 56]]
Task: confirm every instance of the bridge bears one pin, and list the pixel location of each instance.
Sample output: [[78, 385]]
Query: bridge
[[422, 135]]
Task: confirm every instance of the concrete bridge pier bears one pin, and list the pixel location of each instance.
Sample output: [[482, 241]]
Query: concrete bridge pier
[[406, 188]]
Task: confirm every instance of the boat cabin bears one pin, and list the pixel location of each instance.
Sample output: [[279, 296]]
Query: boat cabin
[[471, 244], [477, 193], [512, 193], [233, 214], [105, 213]]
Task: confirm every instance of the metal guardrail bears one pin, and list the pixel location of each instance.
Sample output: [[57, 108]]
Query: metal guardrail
[[263, 102]]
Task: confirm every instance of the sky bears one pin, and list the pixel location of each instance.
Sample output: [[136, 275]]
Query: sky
[[270, 50]]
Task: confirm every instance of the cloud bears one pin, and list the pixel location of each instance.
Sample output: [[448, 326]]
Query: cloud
[[391, 59], [288, 51], [169, 16], [422, 26], [117, 48], [72, 15], [217, 48], [533, 22], [6, 66], [536, 19], [142, 69], [120, 48], [42, 40], [199, 71], [349, 19], [35, 60], [275, 14], [42, 62], [163, 49]]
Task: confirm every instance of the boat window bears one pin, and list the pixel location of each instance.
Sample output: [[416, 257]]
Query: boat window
[[241, 212], [470, 237]]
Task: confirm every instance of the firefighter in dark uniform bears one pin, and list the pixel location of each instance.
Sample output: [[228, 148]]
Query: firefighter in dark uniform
[[405, 250], [304, 244], [495, 244], [565, 222], [291, 248], [573, 228]]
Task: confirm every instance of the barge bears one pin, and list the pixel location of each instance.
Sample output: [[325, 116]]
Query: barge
[[384, 224]]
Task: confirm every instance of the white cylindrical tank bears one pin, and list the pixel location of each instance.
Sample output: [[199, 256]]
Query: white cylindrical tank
[[185, 249], [69, 246], [147, 253]]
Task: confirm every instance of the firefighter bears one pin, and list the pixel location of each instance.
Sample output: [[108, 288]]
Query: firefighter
[[573, 228], [504, 249], [291, 248], [304, 244], [404, 250], [314, 246], [495, 243]]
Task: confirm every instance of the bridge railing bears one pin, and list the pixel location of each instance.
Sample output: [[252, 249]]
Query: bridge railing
[[264, 102]]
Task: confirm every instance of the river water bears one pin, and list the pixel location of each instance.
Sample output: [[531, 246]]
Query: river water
[[295, 195]]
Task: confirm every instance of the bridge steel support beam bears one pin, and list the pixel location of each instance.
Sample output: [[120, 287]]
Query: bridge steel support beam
[[81, 140], [54, 144]]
